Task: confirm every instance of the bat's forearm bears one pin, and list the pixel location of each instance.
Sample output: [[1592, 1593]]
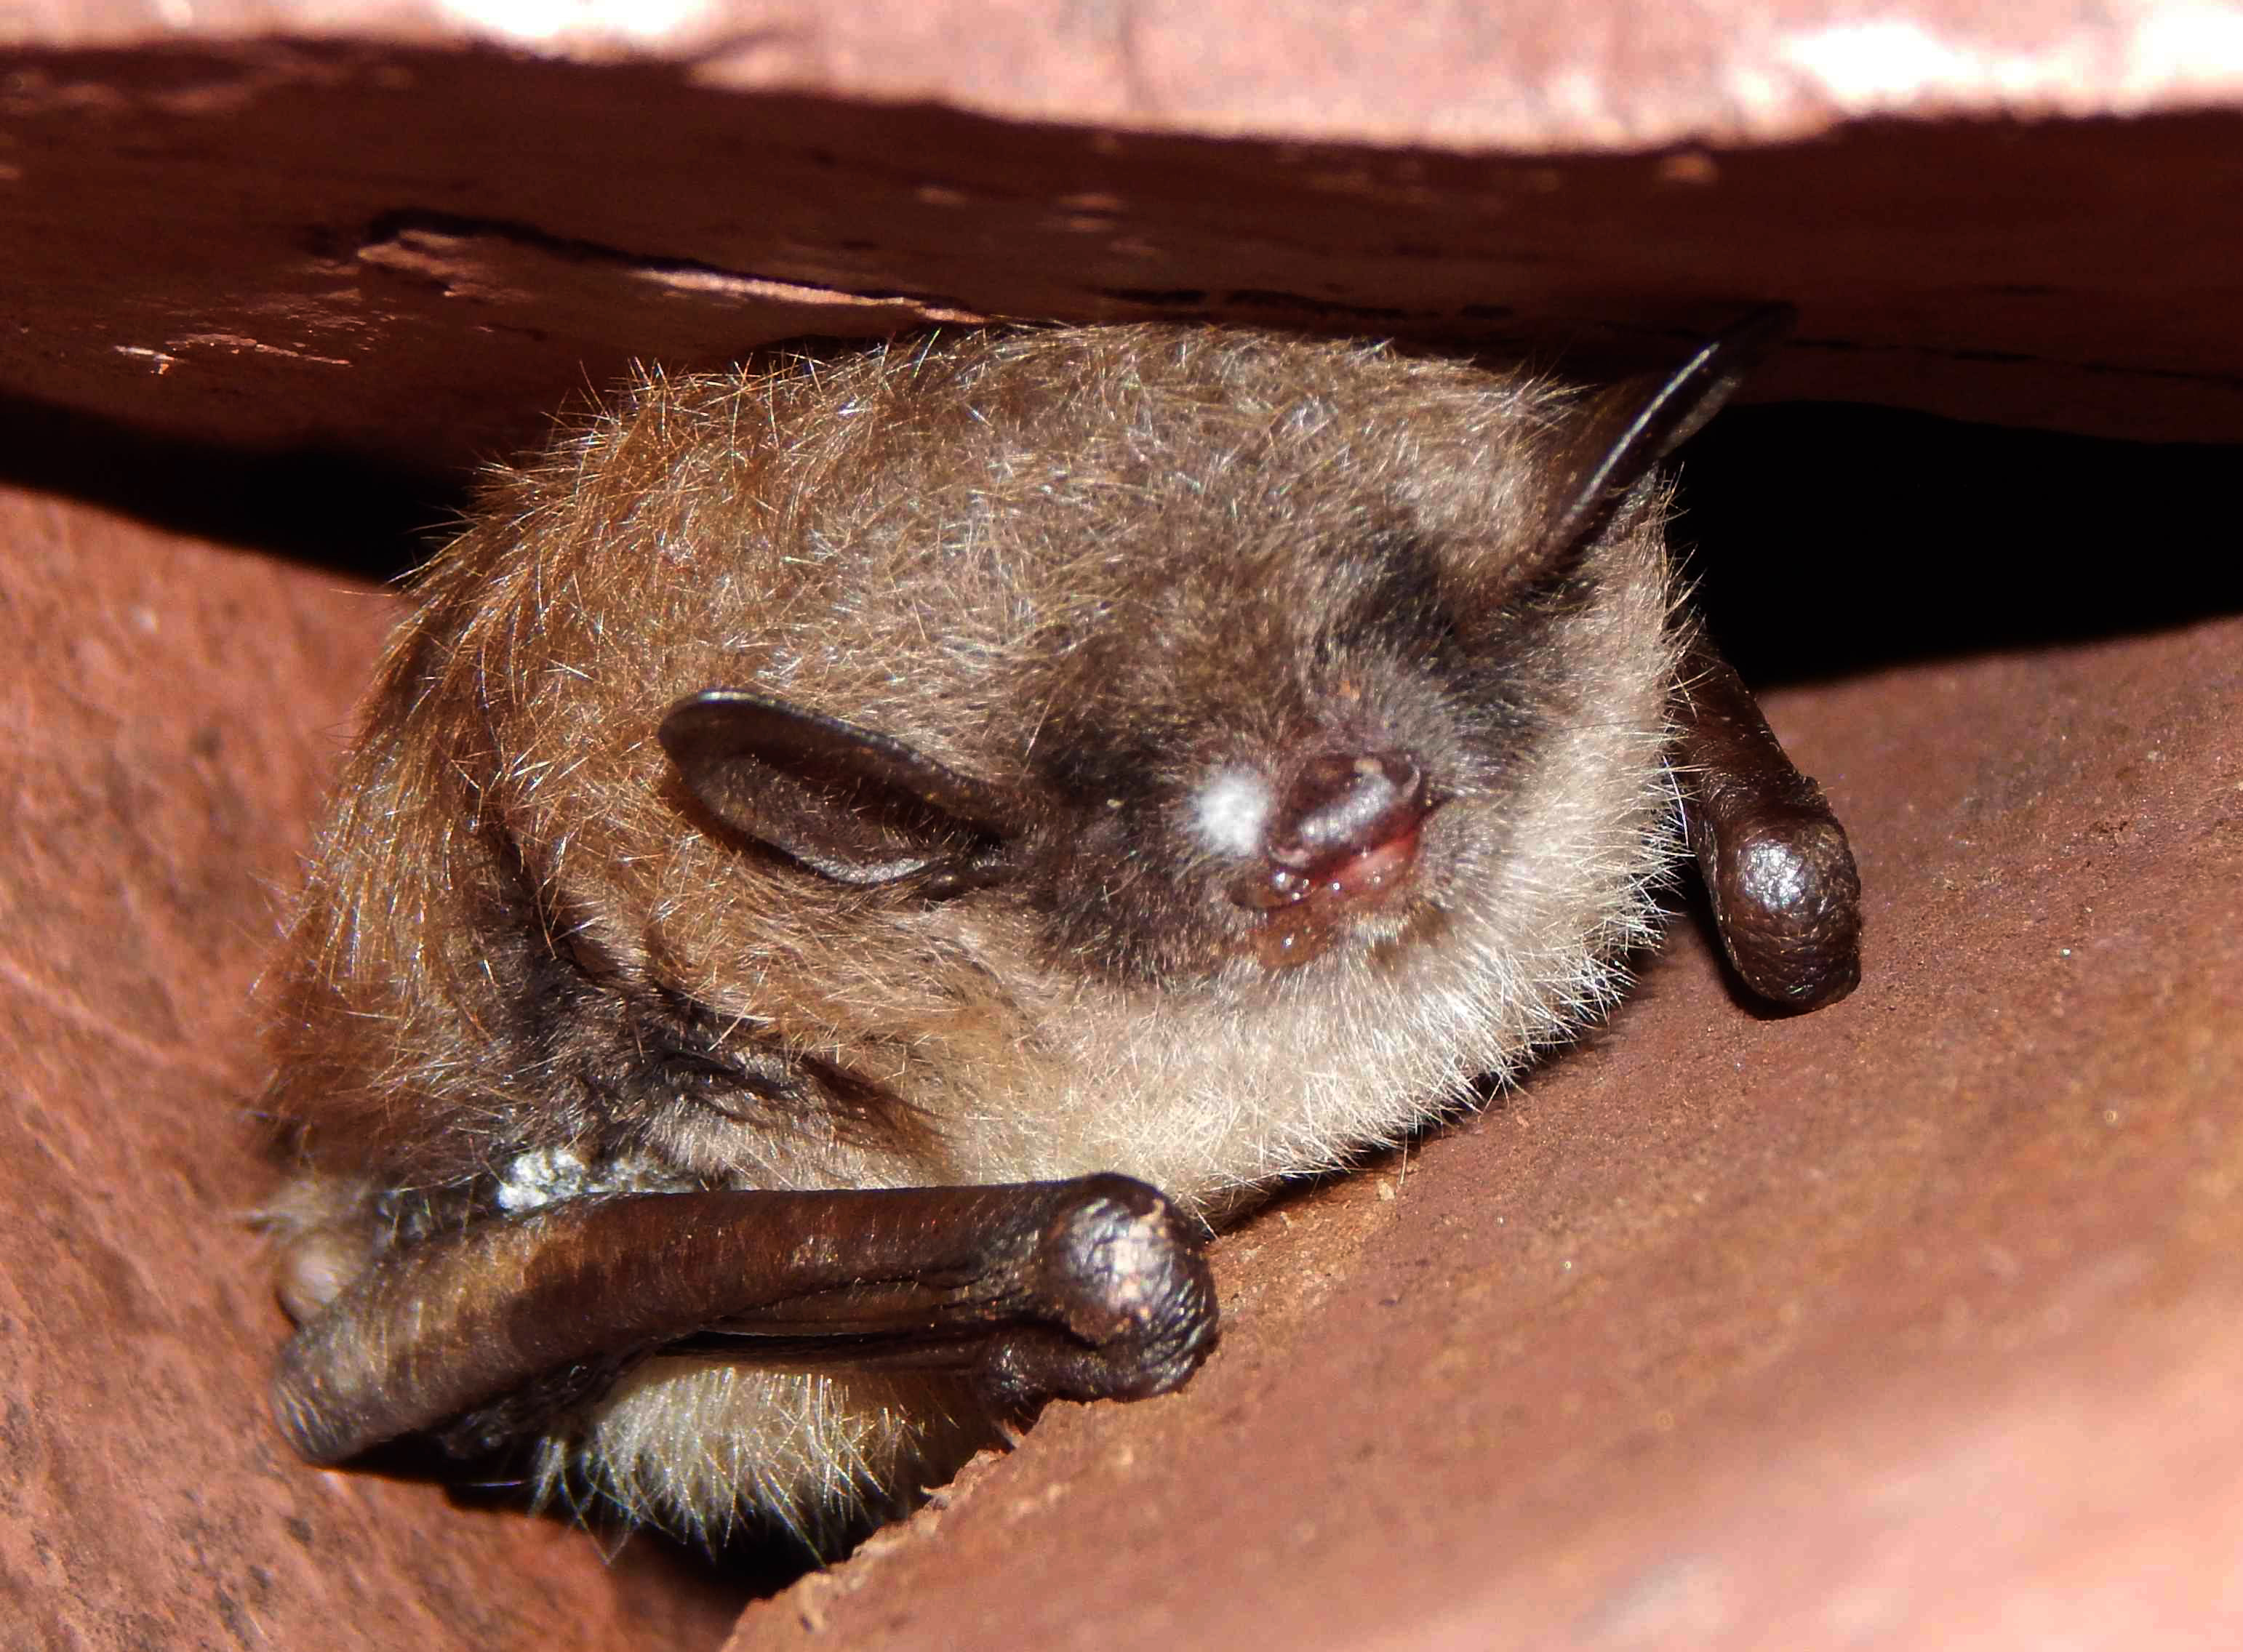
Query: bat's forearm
[[1090, 1288], [1778, 870]]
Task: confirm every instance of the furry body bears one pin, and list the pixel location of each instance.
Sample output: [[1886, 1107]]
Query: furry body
[[1127, 576]]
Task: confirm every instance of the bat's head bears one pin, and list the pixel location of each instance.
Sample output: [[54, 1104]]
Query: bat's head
[[1278, 682], [1139, 726], [1284, 741]]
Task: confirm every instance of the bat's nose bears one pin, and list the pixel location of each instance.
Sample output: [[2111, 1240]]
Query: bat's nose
[[1341, 806]]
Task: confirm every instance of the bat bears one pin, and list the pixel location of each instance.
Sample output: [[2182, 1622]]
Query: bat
[[853, 868]]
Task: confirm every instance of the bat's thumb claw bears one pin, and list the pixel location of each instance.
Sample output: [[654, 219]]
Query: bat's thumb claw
[[1129, 1300]]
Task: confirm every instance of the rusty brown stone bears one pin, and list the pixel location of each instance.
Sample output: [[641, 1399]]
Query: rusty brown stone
[[171, 712], [1912, 1322], [390, 241]]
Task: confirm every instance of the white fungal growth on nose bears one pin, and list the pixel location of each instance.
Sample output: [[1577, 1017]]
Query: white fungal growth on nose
[[1231, 809]]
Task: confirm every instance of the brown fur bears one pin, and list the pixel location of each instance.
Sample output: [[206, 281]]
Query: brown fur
[[1091, 567]]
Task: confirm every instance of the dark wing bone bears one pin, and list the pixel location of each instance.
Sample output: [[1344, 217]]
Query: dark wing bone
[[1086, 1289]]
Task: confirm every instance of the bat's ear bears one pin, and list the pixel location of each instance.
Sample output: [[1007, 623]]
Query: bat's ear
[[855, 805], [1622, 432]]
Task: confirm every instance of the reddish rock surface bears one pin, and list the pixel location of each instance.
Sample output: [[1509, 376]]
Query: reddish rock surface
[[380, 234], [1913, 1322], [169, 712]]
